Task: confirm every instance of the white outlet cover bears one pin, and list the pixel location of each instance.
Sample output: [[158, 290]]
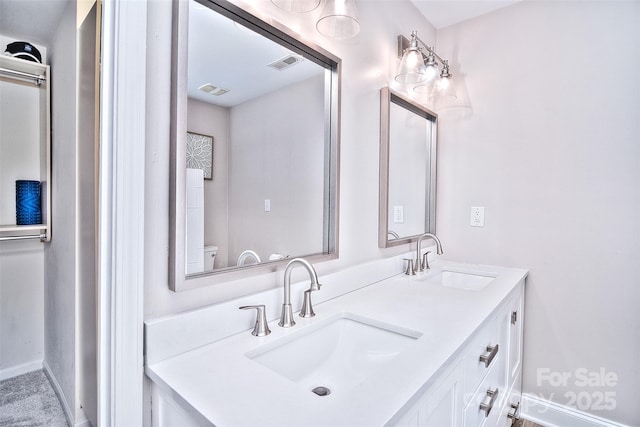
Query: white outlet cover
[[398, 214], [477, 216]]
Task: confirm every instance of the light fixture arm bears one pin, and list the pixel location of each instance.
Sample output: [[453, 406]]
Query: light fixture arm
[[404, 44], [430, 49]]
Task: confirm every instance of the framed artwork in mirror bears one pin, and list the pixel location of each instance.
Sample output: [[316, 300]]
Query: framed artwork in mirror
[[199, 152]]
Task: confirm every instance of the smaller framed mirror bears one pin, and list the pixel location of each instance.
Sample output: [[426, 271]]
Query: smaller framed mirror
[[407, 170]]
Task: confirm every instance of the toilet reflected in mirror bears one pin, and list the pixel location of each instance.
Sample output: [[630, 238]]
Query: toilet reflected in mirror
[[210, 253]]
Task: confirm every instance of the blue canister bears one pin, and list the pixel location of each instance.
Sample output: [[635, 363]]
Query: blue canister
[[28, 202]]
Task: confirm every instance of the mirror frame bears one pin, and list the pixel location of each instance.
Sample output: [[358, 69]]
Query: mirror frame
[[388, 96], [275, 31]]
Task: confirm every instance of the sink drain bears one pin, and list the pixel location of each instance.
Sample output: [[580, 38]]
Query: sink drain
[[321, 391]]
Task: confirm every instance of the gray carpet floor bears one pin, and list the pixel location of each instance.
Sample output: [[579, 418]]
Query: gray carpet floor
[[29, 400]]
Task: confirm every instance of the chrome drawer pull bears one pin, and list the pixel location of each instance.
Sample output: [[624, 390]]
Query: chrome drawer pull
[[514, 317], [487, 359], [486, 407], [513, 416]]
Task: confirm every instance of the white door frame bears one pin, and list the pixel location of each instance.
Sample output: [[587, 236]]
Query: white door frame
[[121, 213]]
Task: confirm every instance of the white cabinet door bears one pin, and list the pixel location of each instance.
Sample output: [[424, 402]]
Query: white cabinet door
[[514, 322], [440, 405], [515, 336], [514, 365], [445, 404]]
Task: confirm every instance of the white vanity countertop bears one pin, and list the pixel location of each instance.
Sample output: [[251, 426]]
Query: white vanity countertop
[[229, 389]]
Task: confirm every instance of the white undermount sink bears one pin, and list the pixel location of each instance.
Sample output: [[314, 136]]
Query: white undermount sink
[[335, 355], [467, 280]]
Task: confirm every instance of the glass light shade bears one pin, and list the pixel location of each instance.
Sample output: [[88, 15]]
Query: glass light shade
[[339, 19], [299, 6], [432, 69], [432, 72], [444, 83], [441, 88], [412, 68], [430, 89], [447, 90]]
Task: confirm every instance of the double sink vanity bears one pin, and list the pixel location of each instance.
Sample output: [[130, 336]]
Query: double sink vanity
[[388, 342], [442, 348]]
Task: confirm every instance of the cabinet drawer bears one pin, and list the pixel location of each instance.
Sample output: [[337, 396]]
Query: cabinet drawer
[[489, 343], [490, 394]]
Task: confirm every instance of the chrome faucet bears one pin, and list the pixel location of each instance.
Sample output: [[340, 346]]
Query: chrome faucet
[[422, 264], [286, 318]]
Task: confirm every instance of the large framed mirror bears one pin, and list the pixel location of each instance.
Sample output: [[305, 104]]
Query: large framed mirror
[[408, 145], [255, 143]]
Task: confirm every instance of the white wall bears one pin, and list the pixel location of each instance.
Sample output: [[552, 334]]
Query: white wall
[[281, 163], [60, 254], [212, 120], [21, 262], [549, 145], [70, 299], [21, 307], [87, 387], [369, 62]]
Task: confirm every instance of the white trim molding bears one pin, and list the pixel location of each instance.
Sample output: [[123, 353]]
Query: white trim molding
[[550, 414], [80, 421], [121, 213], [24, 368]]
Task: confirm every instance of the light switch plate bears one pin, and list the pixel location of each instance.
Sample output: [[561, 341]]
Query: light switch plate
[[267, 205], [477, 216]]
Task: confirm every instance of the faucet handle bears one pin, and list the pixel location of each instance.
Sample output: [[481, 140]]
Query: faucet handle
[[425, 260], [261, 328], [410, 271], [307, 308]]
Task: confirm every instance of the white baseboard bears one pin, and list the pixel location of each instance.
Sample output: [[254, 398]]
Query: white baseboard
[[58, 389], [82, 420], [549, 414], [14, 371], [83, 423]]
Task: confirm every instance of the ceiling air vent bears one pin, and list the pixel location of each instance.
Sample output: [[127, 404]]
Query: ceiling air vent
[[286, 62], [213, 90]]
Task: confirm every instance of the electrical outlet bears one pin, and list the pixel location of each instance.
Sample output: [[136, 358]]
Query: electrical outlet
[[477, 216], [267, 205], [398, 214]]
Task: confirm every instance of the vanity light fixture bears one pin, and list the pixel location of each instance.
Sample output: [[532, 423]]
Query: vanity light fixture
[[419, 64], [339, 19]]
